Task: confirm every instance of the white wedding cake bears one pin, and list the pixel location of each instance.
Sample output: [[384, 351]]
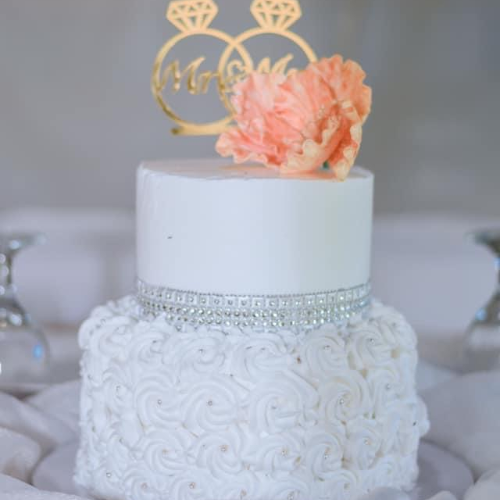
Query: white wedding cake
[[252, 362]]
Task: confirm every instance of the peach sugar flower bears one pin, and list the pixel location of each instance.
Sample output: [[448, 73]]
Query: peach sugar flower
[[300, 122]]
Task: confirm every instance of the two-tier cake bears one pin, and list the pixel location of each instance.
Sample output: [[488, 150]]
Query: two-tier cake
[[252, 362]]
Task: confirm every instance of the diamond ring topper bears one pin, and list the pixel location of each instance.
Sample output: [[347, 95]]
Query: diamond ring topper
[[193, 19]]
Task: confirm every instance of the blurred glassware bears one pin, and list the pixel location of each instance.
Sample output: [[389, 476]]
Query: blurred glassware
[[482, 340], [24, 354]]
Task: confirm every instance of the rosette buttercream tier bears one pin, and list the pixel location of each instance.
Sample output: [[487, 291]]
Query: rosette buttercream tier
[[231, 413]]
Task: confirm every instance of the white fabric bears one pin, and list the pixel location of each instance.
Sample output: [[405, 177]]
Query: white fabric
[[389, 494], [386, 494], [55, 471], [10, 484], [488, 487], [60, 401], [27, 433], [444, 495], [19, 454], [465, 416], [440, 471], [36, 495], [43, 428]]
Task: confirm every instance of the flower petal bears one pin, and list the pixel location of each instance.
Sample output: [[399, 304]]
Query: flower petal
[[298, 122]]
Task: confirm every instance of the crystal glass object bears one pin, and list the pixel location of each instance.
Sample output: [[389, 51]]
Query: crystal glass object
[[23, 348], [482, 340]]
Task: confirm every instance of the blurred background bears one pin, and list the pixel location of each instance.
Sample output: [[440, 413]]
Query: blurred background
[[77, 117]]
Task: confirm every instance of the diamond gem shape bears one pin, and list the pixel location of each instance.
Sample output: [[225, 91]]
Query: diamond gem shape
[[276, 14], [192, 15]]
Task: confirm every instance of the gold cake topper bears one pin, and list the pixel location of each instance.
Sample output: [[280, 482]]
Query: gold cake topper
[[193, 18]]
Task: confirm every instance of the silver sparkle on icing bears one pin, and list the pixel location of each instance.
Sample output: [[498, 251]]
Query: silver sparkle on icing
[[263, 312]]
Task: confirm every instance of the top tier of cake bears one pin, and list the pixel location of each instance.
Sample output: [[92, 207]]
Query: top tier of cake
[[208, 227]]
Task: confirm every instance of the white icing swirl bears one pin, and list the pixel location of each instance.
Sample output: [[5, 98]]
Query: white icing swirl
[[131, 427], [91, 326], [406, 364], [259, 356], [395, 329], [147, 347], [211, 404], [343, 485], [157, 402], [95, 366], [196, 355], [295, 487], [165, 452], [364, 439], [119, 335], [114, 343], [193, 484], [368, 347], [111, 441], [391, 422], [219, 453], [280, 403], [385, 387], [324, 353], [345, 397], [103, 483], [422, 417], [325, 450], [387, 470], [117, 382], [413, 422], [246, 485], [140, 484], [279, 454]]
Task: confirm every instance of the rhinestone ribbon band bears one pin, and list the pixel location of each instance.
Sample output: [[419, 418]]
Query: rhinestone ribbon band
[[280, 311]]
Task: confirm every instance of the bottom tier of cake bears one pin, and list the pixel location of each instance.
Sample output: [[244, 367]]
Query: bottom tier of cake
[[172, 413]]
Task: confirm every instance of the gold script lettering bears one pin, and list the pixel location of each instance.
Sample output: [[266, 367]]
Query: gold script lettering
[[279, 67], [195, 83], [199, 83], [236, 71]]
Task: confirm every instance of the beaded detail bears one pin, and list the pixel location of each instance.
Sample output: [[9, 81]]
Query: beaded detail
[[266, 312]]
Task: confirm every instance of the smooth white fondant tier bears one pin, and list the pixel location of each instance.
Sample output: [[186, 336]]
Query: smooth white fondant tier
[[232, 414], [210, 227]]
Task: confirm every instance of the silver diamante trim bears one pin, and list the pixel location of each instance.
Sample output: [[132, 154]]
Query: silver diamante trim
[[263, 312]]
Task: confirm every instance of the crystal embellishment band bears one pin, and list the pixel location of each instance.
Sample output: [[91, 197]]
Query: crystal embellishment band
[[266, 312]]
